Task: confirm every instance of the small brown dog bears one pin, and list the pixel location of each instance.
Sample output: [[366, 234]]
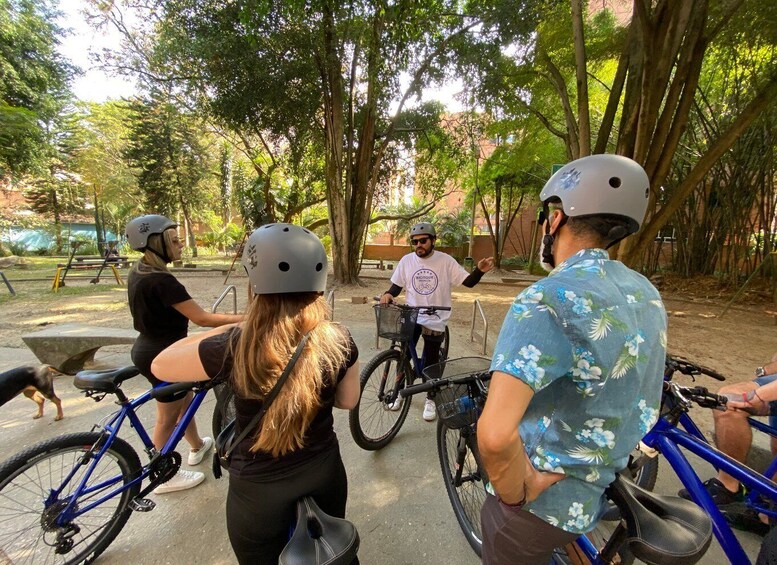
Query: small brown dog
[[35, 382]]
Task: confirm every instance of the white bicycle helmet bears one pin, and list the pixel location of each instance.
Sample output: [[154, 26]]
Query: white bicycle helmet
[[423, 228], [601, 184], [281, 258], [138, 229]]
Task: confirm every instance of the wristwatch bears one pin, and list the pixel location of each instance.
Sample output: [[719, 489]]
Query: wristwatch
[[760, 372]]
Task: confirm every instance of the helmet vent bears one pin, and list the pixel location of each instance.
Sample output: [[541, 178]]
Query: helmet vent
[[283, 266], [285, 229], [319, 266], [615, 182]]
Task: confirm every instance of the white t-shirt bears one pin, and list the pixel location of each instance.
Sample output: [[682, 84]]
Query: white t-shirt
[[428, 282]]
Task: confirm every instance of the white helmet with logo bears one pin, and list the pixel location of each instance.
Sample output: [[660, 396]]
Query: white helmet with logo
[[138, 229], [601, 184], [281, 258]]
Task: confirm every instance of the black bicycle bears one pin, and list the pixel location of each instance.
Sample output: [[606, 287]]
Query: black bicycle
[[381, 411], [460, 388]]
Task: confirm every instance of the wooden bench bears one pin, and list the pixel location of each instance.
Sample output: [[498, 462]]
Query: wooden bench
[[68, 347]]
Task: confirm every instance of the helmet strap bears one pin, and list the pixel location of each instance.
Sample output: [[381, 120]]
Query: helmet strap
[[548, 238]]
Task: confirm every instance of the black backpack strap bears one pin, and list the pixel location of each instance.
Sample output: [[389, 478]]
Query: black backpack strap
[[270, 396]]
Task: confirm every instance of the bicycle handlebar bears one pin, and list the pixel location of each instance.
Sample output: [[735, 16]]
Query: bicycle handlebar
[[421, 308], [698, 394], [687, 367], [441, 383]]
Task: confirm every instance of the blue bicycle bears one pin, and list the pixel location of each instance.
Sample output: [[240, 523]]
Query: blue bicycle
[[667, 438], [381, 411], [66, 499]]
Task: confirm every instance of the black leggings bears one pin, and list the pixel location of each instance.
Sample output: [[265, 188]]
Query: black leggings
[[260, 515], [432, 345]]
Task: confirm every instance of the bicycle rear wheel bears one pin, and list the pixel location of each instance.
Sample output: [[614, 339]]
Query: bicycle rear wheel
[[28, 529], [373, 423], [464, 478]]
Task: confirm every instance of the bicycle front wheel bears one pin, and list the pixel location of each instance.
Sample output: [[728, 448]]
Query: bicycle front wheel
[[464, 478], [31, 505], [377, 418]]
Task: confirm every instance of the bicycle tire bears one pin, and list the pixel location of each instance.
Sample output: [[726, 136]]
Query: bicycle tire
[[446, 345], [27, 479], [224, 411], [372, 409], [643, 471], [468, 497]]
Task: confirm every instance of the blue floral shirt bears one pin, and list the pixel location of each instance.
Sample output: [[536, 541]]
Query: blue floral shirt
[[590, 340]]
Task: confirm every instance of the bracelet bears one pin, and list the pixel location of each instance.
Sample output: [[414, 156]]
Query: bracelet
[[755, 392], [513, 507]]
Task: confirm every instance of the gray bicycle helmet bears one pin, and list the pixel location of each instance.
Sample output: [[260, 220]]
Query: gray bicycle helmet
[[601, 184], [281, 258], [138, 229], [423, 228]]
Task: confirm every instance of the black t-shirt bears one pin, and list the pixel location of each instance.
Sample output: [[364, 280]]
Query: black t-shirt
[[151, 298], [319, 437]]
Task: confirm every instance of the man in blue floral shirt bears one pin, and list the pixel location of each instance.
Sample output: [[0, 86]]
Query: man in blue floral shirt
[[577, 368]]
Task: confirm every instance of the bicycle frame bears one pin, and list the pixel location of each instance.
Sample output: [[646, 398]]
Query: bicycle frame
[[667, 438], [110, 431]]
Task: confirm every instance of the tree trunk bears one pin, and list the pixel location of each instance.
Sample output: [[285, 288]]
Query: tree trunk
[[98, 226], [637, 245], [581, 75]]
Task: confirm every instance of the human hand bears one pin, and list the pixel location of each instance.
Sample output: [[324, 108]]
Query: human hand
[[485, 265], [748, 402], [386, 298], [537, 482]]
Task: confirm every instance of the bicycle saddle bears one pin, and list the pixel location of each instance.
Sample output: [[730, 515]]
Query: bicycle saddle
[[107, 380], [665, 530]]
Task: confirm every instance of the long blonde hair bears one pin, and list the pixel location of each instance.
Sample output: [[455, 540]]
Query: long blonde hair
[[151, 262], [274, 325]]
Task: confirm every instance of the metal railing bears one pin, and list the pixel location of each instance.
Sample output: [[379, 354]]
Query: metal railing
[[475, 308], [231, 288]]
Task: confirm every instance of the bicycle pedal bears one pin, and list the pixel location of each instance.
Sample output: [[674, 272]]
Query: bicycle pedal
[[142, 504]]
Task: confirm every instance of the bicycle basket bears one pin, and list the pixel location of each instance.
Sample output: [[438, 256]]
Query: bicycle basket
[[456, 407], [395, 323]]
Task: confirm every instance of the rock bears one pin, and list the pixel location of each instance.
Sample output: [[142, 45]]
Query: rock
[[9, 261]]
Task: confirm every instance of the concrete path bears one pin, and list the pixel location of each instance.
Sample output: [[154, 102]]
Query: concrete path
[[397, 498]]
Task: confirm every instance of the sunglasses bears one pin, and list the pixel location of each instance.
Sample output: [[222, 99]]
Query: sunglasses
[[419, 241]]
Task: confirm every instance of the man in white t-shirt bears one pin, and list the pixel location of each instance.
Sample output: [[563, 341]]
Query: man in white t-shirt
[[427, 277]]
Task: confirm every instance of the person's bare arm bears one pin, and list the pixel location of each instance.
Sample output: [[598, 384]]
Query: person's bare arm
[[180, 362], [203, 318], [347, 393], [501, 448]]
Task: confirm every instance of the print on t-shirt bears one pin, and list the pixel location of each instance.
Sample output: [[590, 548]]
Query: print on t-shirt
[[425, 281]]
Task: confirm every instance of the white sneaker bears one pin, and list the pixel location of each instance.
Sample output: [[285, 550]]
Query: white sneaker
[[396, 405], [181, 481], [195, 457], [430, 412]]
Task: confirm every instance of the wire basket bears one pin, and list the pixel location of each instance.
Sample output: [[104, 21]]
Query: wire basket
[[456, 405], [395, 323]]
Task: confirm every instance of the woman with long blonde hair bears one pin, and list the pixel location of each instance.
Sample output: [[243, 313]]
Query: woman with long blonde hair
[[161, 310], [294, 450]]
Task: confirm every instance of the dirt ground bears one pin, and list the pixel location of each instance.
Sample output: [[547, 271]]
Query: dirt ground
[[734, 344]]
